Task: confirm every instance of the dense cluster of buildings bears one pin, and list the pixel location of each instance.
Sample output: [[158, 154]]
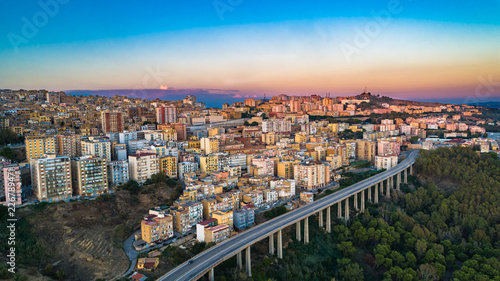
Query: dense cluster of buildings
[[230, 167]]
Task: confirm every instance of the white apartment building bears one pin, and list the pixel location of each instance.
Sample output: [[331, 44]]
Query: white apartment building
[[90, 176], [118, 172], [51, 178], [186, 167], [276, 125], [153, 135], [238, 159], [386, 161], [125, 137], [270, 195], [312, 175], [285, 187], [135, 145], [195, 210], [98, 147], [142, 166]]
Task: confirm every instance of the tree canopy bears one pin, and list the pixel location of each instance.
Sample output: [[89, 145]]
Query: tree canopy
[[9, 137], [443, 225]]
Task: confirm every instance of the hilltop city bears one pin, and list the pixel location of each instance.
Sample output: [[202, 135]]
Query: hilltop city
[[229, 164]]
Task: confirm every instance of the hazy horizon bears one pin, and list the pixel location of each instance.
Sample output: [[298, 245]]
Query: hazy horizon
[[404, 49], [215, 98]]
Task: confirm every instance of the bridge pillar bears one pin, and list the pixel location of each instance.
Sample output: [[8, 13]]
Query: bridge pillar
[[271, 244], [406, 176], [321, 218], [297, 229], [280, 244], [346, 209], [388, 191], [370, 193], [356, 201], [381, 185], [239, 260], [211, 275], [411, 169], [376, 193], [328, 220], [249, 262], [398, 181], [306, 230], [339, 211], [363, 201]]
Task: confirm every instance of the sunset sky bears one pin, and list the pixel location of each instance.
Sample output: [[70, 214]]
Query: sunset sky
[[404, 49]]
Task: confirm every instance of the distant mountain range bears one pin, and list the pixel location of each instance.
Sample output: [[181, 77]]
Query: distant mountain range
[[216, 97], [490, 104], [383, 99], [211, 97]]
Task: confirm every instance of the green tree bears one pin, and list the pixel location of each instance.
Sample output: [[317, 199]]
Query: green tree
[[421, 248], [132, 186], [172, 182], [413, 139], [119, 233], [8, 152], [347, 248], [9, 137], [350, 271], [159, 177], [398, 259], [411, 260]]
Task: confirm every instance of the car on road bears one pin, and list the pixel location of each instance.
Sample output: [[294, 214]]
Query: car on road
[[191, 261]]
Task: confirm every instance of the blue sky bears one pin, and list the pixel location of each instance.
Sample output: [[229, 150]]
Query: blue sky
[[252, 47], [79, 21]]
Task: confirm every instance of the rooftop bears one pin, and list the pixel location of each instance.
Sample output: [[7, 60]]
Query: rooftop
[[207, 222], [219, 227], [142, 154]]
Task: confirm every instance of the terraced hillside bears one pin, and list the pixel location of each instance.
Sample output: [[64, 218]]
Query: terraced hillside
[[83, 239]]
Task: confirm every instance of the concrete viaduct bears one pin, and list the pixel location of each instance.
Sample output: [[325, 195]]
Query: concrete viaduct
[[371, 189]]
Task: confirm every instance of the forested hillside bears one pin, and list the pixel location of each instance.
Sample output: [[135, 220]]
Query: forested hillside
[[444, 225]]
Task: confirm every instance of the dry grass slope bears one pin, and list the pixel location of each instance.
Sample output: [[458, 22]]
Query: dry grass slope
[[79, 234]]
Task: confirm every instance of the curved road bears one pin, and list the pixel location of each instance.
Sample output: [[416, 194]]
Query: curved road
[[203, 262]]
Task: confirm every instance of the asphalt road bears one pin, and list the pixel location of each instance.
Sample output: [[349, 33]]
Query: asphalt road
[[203, 262], [128, 246]]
